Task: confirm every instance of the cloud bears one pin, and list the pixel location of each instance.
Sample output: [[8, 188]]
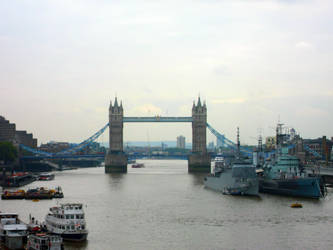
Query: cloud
[[146, 109], [304, 45], [229, 101]]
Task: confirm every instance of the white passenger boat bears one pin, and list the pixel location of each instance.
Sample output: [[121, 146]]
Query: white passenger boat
[[67, 220], [43, 241], [13, 231]]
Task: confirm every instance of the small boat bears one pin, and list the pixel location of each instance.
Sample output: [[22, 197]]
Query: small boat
[[44, 241], [296, 205], [35, 200], [67, 221], [138, 165], [13, 231], [46, 177], [8, 195]]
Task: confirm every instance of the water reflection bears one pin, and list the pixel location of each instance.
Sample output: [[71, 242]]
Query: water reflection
[[197, 178], [115, 179]]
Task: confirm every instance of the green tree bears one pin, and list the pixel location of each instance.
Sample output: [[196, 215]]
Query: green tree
[[8, 152]]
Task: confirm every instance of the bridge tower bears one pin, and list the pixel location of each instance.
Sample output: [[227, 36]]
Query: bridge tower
[[115, 159], [199, 160]]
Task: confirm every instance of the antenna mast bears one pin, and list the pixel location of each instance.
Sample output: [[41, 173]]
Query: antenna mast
[[238, 143]]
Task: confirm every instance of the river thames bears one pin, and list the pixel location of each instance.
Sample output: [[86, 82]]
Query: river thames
[[162, 206]]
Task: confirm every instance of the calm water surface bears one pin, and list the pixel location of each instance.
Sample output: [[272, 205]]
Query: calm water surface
[[161, 206]]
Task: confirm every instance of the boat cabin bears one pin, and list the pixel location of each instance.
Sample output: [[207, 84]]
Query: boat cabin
[[44, 241]]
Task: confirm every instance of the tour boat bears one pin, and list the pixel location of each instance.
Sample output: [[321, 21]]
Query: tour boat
[[13, 231], [43, 241], [67, 220]]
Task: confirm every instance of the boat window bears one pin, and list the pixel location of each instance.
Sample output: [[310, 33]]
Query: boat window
[[72, 216], [72, 227], [68, 227], [78, 216], [67, 216]]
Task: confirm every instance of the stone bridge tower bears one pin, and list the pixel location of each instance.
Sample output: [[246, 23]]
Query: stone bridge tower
[[115, 159], [199, 160]]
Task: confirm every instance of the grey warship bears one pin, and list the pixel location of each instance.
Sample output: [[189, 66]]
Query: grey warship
[[238, 178]]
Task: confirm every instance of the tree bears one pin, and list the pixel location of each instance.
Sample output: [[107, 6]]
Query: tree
[[8, 152]]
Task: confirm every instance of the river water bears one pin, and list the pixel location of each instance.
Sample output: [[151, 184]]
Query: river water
[[161, 206]]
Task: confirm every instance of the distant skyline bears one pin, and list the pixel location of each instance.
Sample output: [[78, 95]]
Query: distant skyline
[[253, 62]]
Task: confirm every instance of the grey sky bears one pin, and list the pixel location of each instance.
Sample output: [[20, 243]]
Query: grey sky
[[251, 60]]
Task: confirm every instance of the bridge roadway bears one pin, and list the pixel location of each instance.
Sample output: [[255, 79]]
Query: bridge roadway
[[135, 156], [157, 119]]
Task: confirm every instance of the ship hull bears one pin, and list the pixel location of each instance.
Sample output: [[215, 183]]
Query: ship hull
[[226, 184], [309, 187], [74, 236]]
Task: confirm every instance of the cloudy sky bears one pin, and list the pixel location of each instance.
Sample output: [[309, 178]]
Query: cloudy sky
[[253, 61]]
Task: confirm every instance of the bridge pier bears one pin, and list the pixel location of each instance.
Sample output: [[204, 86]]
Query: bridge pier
[[115, 163], [199, 163]]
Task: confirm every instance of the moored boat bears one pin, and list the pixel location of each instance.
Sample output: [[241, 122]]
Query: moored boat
[[13, 231], [68, 221], [9, 195], [138, 165], [239, 178], [46, 177], [18, 179], [38, 193], [284, 175], [44, 241]]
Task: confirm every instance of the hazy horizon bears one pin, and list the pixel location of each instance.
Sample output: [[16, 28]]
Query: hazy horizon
[[254, 62]]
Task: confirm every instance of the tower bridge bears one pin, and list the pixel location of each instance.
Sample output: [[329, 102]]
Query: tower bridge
[[116, 160]]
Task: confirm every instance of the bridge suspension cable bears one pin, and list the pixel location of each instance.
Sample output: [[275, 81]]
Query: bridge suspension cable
[[35, 151], [226, 142], [85, 143], [71, 150]]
